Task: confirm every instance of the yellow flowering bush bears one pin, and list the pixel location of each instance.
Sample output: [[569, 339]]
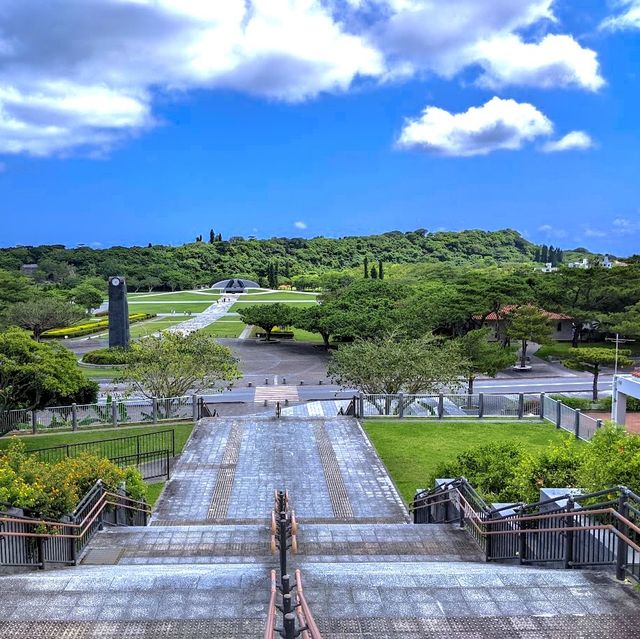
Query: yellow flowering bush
[[87, 328], [54, 490]]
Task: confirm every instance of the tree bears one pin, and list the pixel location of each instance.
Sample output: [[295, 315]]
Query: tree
[[267, 316], [380, 271], [14, 288], [625, 323], [212, 236], [316, 319], [591, 359], [366, 267], [35, 375], [484, 357], [87, 296], [172, 364], [391, 365], [528, 324], [43, 313], [374, 272]]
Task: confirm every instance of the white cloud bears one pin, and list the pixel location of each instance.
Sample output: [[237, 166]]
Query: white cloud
[[300, 224], [629, 18], [498, 124], [625, 226], [573, 141], [555, 61], [591, 232], [93, 78], [552, 231]]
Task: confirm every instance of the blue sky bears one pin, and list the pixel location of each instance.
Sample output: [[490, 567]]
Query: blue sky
[[138, 121]]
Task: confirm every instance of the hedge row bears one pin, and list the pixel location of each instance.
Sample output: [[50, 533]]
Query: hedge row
[[507, 472], [107, 356], [91, 327]]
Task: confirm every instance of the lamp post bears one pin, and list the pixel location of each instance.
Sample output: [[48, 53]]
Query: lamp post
[[617, 340]]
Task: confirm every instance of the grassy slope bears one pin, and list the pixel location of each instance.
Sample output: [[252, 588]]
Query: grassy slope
[[168, 297], [169, 306], [224, 328], [182, 432], [412, 449], [279, 296]]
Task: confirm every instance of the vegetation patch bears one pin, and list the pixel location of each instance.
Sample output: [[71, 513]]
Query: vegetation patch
[[107, 356], [413, 450], [89, 327]]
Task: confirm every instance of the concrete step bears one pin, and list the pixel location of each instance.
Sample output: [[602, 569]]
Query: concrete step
[[208, 544]]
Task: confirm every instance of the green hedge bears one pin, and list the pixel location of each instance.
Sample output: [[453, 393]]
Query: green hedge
[[107, 356], [87, 328]]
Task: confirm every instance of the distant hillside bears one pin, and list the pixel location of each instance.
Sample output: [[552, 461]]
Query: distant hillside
[[202, 263]]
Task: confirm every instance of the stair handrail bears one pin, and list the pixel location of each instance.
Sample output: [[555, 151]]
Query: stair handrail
[[309, 628]]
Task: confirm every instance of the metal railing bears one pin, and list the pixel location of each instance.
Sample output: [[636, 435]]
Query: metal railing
[[297, 620], [30, 541], [111, 413], [570, 531], [476, 406]]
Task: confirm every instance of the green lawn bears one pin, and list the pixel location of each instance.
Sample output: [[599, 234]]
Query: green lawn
[[295, 304], [152, 326], [168, 306], [182, 431], [305, 336], [100, 373], [561, 349], [153, 492], [224, 328], [412, 450], [182, 296], [279, 296]]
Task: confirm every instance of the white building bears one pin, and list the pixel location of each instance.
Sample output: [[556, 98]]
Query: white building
[[583, 263], [548, 268], [624, 386]]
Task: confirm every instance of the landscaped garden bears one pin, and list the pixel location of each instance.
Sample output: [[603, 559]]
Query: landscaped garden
[[505, 462]]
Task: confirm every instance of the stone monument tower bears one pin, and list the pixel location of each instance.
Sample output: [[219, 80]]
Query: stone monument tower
[[118, 313]]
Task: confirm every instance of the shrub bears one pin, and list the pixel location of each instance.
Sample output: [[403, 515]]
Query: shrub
[[612, 458], [107, 356], [557, 466], [53, 490], [633, 404], [579, 403], [490, 469]]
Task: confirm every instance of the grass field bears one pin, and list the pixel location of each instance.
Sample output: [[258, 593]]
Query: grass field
[[563, 349], [411, 450], [182, 296], [100, 373], [224, 328], [169, 306], [294, 303], [152, 326], [182, 431], [278, 296]]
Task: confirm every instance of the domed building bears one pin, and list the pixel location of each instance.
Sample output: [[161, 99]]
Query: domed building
[[235, 285]]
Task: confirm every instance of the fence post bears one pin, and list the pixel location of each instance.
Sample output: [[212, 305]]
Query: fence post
[[481, 405], [598, 424], [568, 539], [154, 410], [361, 405], [194, 408], [34, 421], [621, 546], [400, 405], [576, 425], [440, 406], [522, 538], [520, 405], [114, 412], [542, 396], [74, 417], [558, 413]]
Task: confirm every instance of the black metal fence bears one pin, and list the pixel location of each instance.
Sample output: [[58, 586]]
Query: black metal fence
[[149, 452], [27, 541], [570, 531]]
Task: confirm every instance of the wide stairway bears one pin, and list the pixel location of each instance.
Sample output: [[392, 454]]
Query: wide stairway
[[201, 569]]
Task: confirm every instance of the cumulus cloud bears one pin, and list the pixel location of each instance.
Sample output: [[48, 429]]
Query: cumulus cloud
[[555, 61], [625, 226], [93, 78], [628, 18], [552, 231], [573, 141], [498, 124], [300, 224]]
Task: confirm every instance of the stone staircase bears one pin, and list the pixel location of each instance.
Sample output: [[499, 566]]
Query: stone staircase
[[367, 572]]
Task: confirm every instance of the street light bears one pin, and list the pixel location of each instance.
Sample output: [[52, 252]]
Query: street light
[[618, 341]]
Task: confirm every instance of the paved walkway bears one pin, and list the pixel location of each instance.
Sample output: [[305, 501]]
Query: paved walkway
[[230, 469], [213, 313]]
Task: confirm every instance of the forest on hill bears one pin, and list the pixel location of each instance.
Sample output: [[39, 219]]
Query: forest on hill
[[204, 262]]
